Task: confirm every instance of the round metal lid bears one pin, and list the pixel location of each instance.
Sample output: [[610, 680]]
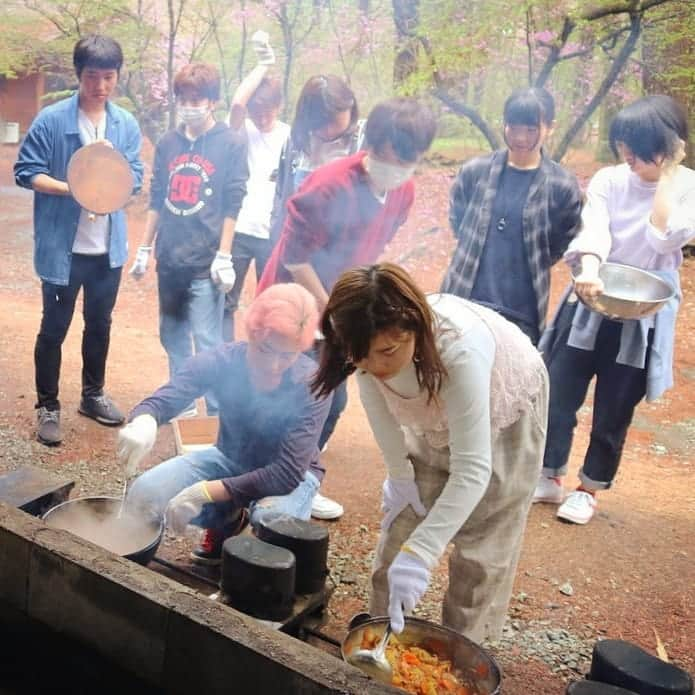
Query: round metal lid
[[100, 178]]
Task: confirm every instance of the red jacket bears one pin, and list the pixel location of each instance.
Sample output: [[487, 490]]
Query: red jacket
[[334, 223]]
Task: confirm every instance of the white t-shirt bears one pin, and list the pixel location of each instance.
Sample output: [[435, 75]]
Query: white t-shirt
[[263, 159], [92, 237]]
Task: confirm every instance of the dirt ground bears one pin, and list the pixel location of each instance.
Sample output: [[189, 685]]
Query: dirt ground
[[630, 572]]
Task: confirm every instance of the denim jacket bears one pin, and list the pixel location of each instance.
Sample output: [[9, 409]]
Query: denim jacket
[[47, 148]]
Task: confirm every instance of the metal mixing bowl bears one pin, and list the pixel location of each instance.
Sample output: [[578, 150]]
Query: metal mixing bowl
[[629, 292]]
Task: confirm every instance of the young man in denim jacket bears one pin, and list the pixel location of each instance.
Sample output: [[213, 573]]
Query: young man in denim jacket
[[74, 249]]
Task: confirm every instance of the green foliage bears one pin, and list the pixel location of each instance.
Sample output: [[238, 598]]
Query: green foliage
[[481, 49]]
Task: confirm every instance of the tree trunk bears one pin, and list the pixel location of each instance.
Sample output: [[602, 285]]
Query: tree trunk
[[472, 115], [288, 40], [604, 88], [406, 19], [171, 104], [244, 34], [660, 61], [609, 110]]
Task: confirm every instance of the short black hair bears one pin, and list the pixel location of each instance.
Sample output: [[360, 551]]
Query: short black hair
[[529, 106], [97, 51], [650, 126], [407, 124]]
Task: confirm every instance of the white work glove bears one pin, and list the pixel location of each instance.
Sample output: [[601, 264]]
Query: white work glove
[[398, 494], [222, 271], [135, 441], [260, 43], [142, 257], [185, 506], [408, 579]]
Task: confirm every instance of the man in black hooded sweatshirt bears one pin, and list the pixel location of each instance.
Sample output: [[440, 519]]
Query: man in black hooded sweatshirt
[[198, 185]]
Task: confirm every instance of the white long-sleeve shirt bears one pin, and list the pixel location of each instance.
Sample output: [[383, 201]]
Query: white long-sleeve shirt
[[493, 373], [616, 225]]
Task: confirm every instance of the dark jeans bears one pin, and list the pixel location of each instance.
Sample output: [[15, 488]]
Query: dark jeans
[[619, 388], [100, 284], [245, 248]]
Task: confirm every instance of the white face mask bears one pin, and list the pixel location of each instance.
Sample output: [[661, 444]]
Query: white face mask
[[387, 177], [194, 116]]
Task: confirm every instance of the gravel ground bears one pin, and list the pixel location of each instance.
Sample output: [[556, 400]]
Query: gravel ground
[[566, 653], [90, 477]]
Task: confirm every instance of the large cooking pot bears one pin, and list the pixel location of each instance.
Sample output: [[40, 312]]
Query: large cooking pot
[[475, 665], [96, 519]]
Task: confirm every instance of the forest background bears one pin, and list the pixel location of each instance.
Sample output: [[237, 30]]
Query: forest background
[[463, 56]]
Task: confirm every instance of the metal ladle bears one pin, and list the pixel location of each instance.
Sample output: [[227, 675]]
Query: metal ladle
[[125, 494], [373, 661]]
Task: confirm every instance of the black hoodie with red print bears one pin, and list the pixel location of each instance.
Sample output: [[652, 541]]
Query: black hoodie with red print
[[195, 185]]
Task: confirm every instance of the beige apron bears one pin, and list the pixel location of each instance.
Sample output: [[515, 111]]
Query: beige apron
[[486, 549]]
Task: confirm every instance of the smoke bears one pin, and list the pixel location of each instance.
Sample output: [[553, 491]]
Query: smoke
[[97, 520]]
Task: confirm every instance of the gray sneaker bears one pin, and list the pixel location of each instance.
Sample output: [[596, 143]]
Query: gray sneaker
[[102, 409], [48, 426]]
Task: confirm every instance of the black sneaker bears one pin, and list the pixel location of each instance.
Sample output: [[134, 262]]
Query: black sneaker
[[48, 426], [102, 409], [209, 552]]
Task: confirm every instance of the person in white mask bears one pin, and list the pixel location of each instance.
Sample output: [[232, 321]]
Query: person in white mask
[[345, 213], [198, 185]]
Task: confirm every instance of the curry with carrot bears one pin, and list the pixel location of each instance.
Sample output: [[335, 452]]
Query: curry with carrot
[[417, 670]]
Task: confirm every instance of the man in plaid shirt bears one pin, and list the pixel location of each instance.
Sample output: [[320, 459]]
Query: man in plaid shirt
[[513, 212]]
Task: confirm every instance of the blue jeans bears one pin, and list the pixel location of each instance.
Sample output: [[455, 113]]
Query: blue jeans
[[245, 248], [202, 322], [155, 487]]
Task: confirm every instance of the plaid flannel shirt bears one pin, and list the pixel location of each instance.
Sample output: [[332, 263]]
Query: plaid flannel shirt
[[551, 219]]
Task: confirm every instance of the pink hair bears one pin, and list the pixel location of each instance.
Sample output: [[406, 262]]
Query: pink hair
[[287, 310]]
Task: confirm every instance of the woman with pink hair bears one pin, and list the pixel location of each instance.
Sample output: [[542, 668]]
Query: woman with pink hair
[[266, 458]]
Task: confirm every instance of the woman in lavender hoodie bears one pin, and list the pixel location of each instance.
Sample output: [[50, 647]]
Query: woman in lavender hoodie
[[639, 213]]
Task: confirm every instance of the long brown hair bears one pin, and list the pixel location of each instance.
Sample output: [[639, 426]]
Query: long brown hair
[[322, 98], [364, 302]]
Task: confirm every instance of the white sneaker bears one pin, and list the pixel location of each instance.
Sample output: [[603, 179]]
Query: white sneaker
[[578, 508], [324, 508], [548, 490]]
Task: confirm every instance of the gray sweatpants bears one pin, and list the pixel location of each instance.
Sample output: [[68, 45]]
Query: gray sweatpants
[[486, 549]]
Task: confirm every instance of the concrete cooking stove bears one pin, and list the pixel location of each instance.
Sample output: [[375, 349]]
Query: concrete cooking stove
[[167, 632]]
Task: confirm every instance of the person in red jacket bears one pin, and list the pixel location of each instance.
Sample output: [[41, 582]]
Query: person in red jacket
[[345, 213]]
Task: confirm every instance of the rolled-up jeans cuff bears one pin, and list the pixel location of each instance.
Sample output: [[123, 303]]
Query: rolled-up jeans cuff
[[554, 472], [590, 484]]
